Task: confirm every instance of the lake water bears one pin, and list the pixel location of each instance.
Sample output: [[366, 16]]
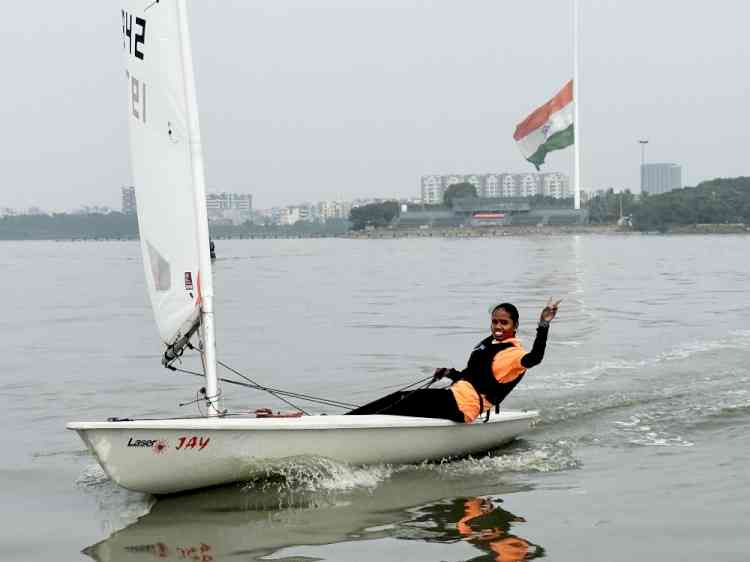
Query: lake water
[[642, 452]]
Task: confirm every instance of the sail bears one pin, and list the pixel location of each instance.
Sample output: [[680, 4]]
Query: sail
[[170, 218]]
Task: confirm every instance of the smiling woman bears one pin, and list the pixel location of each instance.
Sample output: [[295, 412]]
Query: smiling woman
[[496, 365]]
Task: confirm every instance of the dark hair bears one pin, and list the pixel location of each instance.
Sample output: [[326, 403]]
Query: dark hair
[[510, 309]]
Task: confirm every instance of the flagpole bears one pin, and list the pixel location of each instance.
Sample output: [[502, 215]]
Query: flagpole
[[576, 120]]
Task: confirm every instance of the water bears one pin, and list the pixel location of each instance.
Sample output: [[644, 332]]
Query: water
[[644, 392]]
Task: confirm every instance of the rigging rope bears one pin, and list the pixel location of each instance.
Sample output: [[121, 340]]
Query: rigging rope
[[277, 393], [270, 391], [201, 396], [309, 398], [429, 380], [289, 393]]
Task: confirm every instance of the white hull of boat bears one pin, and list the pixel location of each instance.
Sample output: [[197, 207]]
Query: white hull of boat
[[168, 456]]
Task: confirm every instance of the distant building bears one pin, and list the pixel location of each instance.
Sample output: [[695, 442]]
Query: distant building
[[234, 208], [361, 202], [292, 215], [557, 185], [327, 210], [660, 178], [128, 200], [490, 211], [432, 190], [92, 210]]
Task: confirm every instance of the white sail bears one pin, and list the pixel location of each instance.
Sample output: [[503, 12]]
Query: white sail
[[170, 216]]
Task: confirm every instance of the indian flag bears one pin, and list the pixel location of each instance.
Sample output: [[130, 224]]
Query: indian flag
[[549, 127]]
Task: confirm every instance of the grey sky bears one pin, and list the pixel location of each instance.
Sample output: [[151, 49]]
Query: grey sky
[[359, 98]]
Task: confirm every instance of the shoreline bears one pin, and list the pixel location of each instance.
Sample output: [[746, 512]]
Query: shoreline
[[488, 231], [545, 230], [449, 232]]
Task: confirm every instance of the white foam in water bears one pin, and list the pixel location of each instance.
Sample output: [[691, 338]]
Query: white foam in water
[[639, 430], [119, 507], [92, 476], [733, 401], [583, 377], [547, 457], [569, 343], [738, 339], [318, 474], [315, 474], [582, 408]]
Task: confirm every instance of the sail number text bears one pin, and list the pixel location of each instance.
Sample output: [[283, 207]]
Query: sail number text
[[134, 43], [133, 37], [137, 92]]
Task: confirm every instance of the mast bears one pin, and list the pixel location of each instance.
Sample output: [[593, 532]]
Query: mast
[[576, 119], [205, 280]]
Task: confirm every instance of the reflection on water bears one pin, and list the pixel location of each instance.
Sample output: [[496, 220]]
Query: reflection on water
[[478, 521], [237, 522]]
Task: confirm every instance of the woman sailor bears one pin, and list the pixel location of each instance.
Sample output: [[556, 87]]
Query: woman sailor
[[496, 365]]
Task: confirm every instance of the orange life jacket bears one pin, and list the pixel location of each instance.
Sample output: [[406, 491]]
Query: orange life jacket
[[479, 373]]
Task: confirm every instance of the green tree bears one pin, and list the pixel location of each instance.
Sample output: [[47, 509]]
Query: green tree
[[68, 226], [548, 202], [718, 201], [374, 214], [458, 190], [606, 207]]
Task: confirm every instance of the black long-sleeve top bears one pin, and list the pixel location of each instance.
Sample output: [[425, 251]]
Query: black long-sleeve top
[[535, 356]]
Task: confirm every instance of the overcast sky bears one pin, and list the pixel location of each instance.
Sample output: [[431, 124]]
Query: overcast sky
[[358, 98]]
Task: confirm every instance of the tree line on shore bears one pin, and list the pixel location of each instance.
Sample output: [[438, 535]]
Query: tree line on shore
[[718, 201], [119, 226]]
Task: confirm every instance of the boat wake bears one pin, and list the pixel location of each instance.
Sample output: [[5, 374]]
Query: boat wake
[[612, 368], [320, 475], [738, 339], [118, 507], [313, 474], [524, 457], [644, 430], [674, 415]]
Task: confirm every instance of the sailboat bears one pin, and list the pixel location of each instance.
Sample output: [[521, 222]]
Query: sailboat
[[162, 456]]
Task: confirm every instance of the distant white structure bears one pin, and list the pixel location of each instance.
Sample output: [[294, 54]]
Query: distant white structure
[[90, 210], [234, 208], [292, 215], [333, 210], [361, 202], [128, 206], [660, 178], [553, 184], [433, 188], [556, 185], [322, 211]]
